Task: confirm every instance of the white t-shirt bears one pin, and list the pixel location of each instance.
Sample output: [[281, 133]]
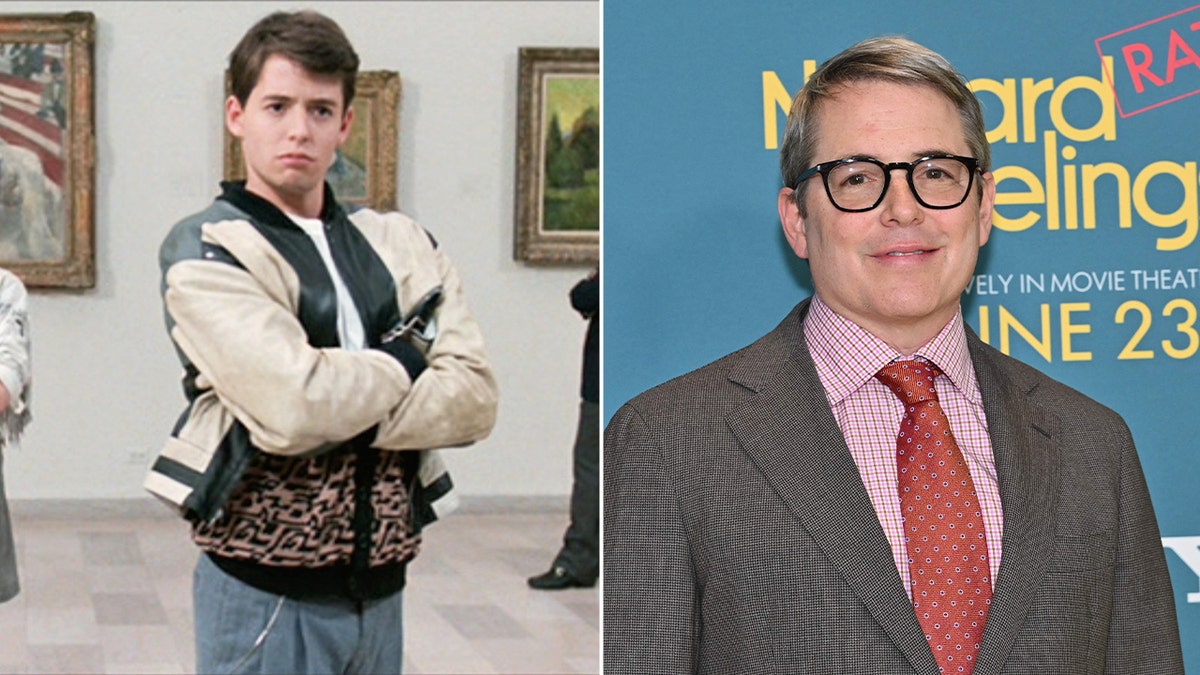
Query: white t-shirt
[[349, 323]]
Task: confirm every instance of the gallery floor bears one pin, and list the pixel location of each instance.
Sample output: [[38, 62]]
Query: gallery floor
[[106, 588]]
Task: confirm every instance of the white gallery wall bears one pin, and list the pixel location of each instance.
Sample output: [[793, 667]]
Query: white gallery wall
[[106, 381]]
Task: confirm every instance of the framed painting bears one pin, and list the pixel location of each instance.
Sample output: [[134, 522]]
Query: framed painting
[[47, 148], [558, 156], [364, 171]]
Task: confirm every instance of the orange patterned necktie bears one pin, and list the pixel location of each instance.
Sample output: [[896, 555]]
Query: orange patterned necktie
[[943, 525]]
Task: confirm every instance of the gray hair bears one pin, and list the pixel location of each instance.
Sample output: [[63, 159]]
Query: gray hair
[[890, 59]]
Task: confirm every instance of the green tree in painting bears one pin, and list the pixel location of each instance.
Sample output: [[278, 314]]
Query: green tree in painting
[[554, 139], [564, 168], [585, 138], [571, 198]]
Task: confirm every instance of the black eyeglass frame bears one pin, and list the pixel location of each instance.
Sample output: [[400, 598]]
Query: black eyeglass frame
[[824, 168]]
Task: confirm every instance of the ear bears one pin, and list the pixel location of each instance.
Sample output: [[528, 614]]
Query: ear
[[344, 132], [793, 223], [233, 116], [987, 203]]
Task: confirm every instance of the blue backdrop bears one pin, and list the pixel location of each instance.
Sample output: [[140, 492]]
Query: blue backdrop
[[1092, 270]]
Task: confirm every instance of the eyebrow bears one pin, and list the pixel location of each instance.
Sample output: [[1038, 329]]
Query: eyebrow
[[928, 152], [281, 98], [933, 151]]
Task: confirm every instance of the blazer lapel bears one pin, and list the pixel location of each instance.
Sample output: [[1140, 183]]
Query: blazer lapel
[[1024, 438], [792, 437]]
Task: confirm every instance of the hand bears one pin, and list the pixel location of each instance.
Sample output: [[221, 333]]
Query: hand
[[5, 398], [408, 355]]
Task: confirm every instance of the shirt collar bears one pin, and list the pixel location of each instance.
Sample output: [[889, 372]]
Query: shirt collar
[[847, 356]]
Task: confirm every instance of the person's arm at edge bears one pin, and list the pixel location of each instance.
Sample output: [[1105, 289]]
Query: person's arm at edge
[[14, 343], [1143, 631], [651, 617], [585, 295]]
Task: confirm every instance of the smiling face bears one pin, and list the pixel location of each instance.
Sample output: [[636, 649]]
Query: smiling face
[[899, 269], [290, 127]]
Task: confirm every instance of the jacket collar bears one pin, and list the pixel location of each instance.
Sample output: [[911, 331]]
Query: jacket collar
[[260, 209]]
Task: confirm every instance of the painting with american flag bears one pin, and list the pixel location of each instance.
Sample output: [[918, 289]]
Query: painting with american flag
[[46, 148]]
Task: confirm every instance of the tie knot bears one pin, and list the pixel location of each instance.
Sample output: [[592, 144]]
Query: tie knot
[[912, 381]]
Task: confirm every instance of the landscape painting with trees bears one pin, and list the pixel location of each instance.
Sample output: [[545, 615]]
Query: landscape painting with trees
[[571, 199], [558, 156]]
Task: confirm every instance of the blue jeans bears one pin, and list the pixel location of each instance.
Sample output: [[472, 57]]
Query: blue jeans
[[240, 629]]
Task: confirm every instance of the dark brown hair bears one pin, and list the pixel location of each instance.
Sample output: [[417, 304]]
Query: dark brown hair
[[311, 40]]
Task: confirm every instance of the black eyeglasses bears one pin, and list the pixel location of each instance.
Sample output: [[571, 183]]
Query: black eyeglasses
[[856, 184]]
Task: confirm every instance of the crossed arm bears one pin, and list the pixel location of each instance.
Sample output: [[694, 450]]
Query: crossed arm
[[14, 343], [237, 325]]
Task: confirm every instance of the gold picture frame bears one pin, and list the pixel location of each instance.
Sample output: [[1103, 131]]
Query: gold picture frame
[[365, 170], [558, 156], [48, 148]]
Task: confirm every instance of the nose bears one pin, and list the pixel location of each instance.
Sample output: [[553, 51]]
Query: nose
[[298, 124], [900, 205]]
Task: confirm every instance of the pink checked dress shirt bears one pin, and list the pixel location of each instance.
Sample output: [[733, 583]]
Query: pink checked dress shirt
[[847, 358]]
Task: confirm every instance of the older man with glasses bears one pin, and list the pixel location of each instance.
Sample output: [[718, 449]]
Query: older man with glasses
[[869, 488]]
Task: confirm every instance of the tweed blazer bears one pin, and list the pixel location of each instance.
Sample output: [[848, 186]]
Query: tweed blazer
[[739, 538]]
